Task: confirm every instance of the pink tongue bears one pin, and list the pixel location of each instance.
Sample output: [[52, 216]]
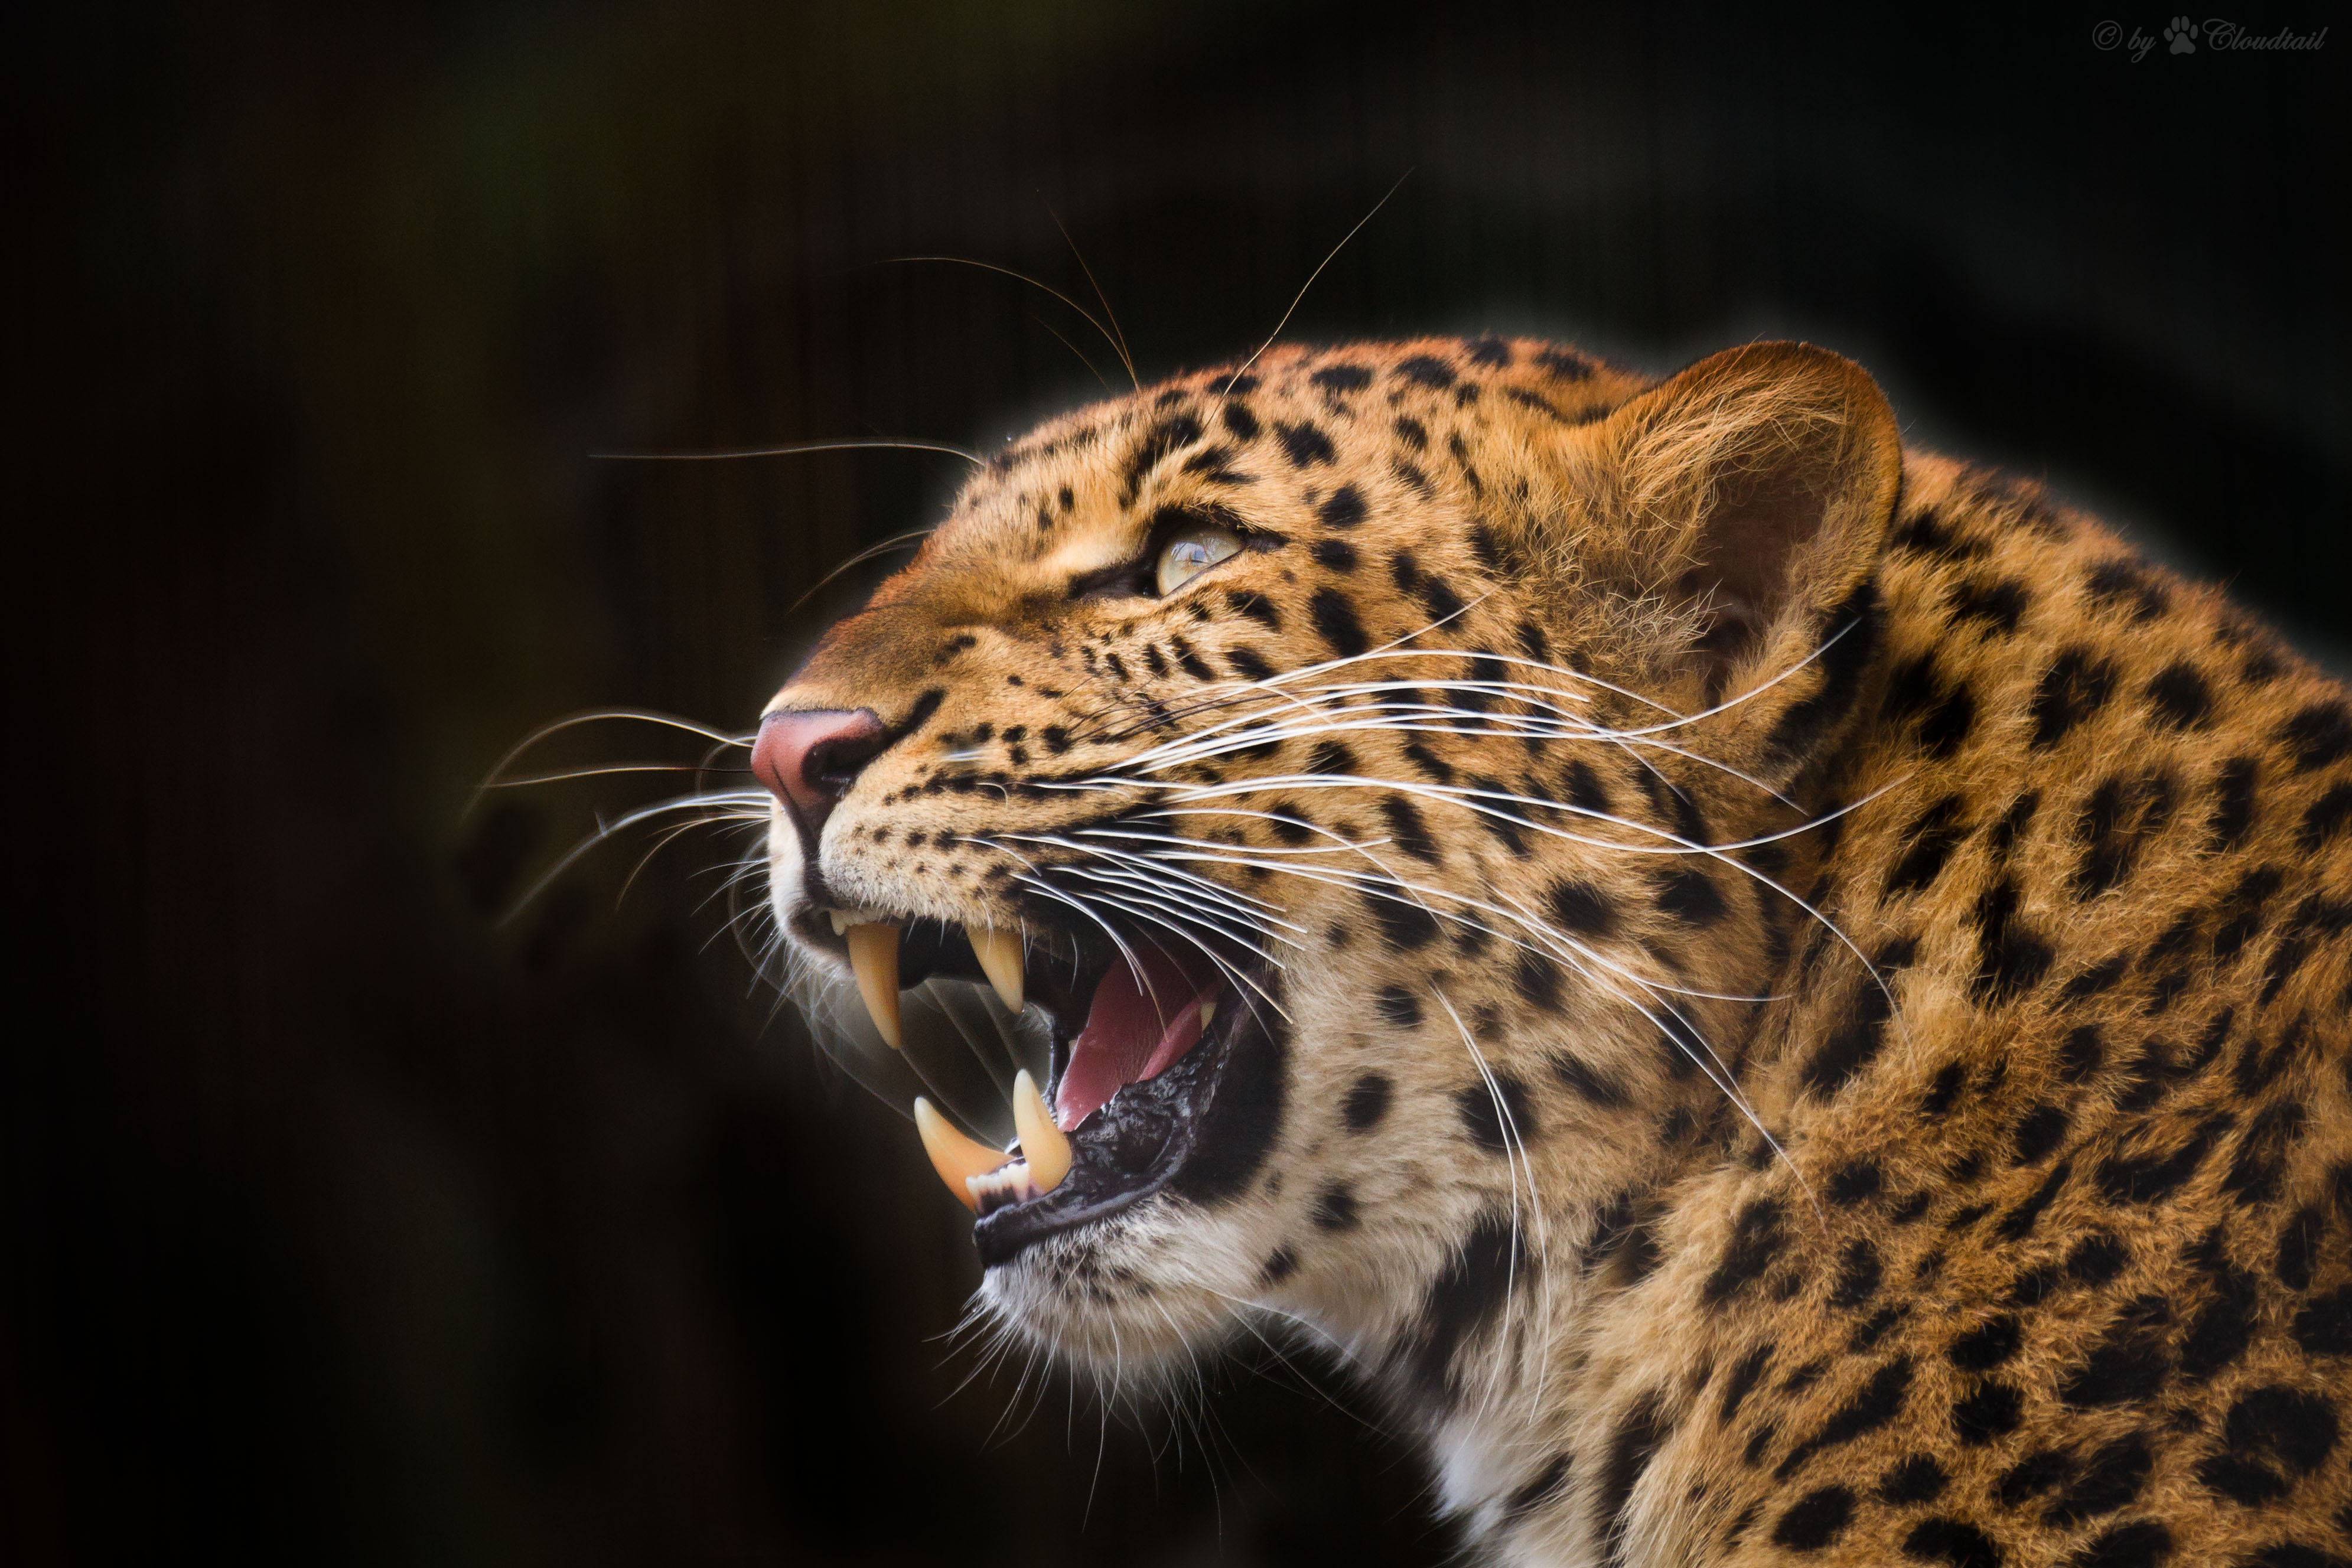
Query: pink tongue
[[1134, 1031]]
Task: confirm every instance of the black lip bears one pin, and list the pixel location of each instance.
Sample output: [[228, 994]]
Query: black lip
[[1131, 1148], [1147, 1134]]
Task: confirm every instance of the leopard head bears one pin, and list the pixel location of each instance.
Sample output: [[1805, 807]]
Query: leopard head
[[1381, 774]]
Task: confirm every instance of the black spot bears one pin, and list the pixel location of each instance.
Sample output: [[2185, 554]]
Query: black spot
[[2118, 820], [1997, 602], [1491, 351], [1745, 1374], [1337, 555], [2014, 957], [1951, 1540], [1853, 1182], [1992, 1411], [2324, 1326], [1464, 1297], [2327, 816], [1248, 664], [1635, 1442], [2037, 1472], [2128, 1363], [2256, 1168], [2115, 580], [1755, 1245], [1536, 977], [1329, 757], [1859, 1272], [1987, 1345], [2082, 1053], [2109, 1480], [1814, 1520], [2142, 1544], [1426, 370], [1404, 925], [2098, 1258], [1279, 1267], [1498, 1115], [2270, 1430], [2098, 978], [1335, 1208], [1808, 721], [2147, 1175], [1342, 508], [1945, 714], [1168, 435], [2039, 1132], [1868, 1334], [1303, 443], [1238, 420], [1342, 378], [1584, 790], [2241, 910], [2223, 1327], [1334, 616], [1437, 597], [2319, 734], [1944, 1089], [1565, 363], [1856, 1043], [2181, 696], [1585, 1082], [1690, 895], [1933, 838], [1915, 1480], [1367, 1101], [2076, 685], [2233, 801], [2298, 1248]]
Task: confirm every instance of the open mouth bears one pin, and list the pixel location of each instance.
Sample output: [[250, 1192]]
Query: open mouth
[[1142, 1028]]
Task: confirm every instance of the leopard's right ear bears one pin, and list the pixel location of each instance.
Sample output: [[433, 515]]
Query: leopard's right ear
[[1750, 495]]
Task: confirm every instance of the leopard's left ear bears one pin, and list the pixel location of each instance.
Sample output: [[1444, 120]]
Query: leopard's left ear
[[1755, 489]]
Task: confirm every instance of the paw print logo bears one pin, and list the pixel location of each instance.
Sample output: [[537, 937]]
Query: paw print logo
[[2181, 33]]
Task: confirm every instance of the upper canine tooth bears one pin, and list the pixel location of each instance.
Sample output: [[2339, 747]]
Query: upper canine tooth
[[1000, 959], [1043, 1143], [874, 955], [957, 1158]]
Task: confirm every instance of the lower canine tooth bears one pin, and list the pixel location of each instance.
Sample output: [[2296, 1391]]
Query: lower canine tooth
[[1000, 958], [957, 1158], [1043, 1143], [874, 955]]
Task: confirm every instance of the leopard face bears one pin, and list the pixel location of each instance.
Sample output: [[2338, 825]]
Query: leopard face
[[1387, 708]]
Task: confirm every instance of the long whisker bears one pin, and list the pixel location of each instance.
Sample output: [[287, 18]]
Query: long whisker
[[792, 449], [1120, 342], [1117, 346], [1311, 277]]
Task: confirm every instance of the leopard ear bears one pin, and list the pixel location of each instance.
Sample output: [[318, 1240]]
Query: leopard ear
[[1751, 494]]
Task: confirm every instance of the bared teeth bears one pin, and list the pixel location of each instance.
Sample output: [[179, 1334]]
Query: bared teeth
[[874, 955], [1042, 1144], [960, 1161], [1000, 958]]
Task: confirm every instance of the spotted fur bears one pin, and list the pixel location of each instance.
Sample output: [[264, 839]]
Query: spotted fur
[[1898, 1114]]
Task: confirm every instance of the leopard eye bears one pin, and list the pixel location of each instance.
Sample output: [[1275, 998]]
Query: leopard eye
[[1191, 550]]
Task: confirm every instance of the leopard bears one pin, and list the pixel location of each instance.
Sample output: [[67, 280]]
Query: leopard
[[1767, 994]]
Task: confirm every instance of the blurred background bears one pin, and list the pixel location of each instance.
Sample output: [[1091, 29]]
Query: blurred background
[[340, 1222]]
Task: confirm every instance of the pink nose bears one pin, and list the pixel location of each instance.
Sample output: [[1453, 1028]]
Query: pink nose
[[809, 759]]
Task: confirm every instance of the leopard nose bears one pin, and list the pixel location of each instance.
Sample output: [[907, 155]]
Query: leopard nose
[[809, 759]]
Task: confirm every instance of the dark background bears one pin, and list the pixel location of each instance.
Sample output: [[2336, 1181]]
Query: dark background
[[338, 1224]]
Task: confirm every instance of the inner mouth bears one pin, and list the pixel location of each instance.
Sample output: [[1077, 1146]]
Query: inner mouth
[[1141, 1024]]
